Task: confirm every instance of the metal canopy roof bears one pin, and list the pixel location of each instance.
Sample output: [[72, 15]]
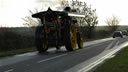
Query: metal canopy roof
[[56, 13]]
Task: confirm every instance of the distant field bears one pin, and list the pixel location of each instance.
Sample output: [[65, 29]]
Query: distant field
[[106, 28], [123, 28]]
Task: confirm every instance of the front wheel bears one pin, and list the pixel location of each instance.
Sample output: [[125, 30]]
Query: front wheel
[[121, 36], [80, 40], [113, 36], [70, 37]]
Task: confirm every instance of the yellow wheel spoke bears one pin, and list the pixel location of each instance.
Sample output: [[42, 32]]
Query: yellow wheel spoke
[[73, 37], [44, 45]]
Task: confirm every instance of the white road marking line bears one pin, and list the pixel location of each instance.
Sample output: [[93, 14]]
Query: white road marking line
[[51, 58], [9, 70], [117, 43], [92, 65], [108, 47], [109, 55], [102, 59]]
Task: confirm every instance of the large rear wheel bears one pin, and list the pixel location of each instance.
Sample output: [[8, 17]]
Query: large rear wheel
[[41, 43], [70, 37]]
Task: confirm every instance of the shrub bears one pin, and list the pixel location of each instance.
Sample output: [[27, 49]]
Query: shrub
[[10, 39]]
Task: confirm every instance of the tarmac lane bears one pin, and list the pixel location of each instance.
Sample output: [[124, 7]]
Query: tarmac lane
[[58, 61]]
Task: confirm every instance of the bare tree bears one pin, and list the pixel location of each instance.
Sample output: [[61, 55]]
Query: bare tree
[[89, 21], [112, 22], [29, 21]]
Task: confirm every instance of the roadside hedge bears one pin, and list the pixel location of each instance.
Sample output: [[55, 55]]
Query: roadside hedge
[[16, 38]]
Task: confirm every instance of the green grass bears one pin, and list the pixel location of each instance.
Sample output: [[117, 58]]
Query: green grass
[[16, 51], [117, 64]]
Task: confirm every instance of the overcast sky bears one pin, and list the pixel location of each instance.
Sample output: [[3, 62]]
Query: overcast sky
[[11, 11], [107, 8]]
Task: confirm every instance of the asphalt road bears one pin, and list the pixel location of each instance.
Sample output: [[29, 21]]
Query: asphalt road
[[62, 60]]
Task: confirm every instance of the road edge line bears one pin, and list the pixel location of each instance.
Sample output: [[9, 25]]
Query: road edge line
[[102, 59]]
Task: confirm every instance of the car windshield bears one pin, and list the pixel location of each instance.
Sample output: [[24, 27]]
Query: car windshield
[[117, 33]]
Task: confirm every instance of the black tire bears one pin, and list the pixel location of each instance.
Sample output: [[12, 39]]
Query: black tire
[[121, 36], [58, 47], [70, 43], [41, 44], [80, 40]]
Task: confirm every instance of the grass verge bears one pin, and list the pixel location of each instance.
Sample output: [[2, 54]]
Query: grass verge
[[117, 64], [16, 51]]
